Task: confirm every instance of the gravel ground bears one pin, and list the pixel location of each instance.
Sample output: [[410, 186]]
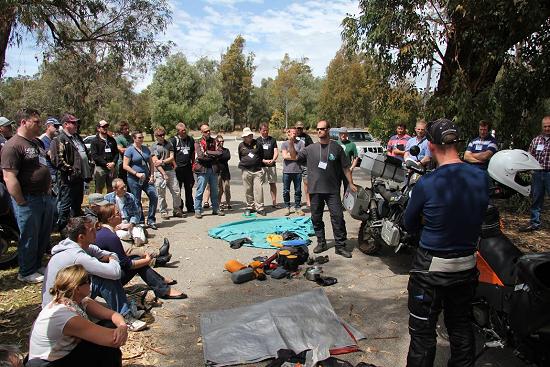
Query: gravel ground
[[371, 292]]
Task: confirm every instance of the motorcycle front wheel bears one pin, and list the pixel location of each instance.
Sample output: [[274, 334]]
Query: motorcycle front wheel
[[369, 239], [9, 240]]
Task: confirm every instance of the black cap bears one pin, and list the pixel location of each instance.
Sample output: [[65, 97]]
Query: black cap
[[442, 131]]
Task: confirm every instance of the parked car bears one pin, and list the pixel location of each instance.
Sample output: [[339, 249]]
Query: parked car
[[88, 141], [362, 139]]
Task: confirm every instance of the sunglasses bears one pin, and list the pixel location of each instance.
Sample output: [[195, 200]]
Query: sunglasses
[[160, 135], [321, 128], [206, 131], [139, 137], [87, 280]]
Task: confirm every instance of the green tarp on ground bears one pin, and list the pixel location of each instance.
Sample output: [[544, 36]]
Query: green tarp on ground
[[257, 229]]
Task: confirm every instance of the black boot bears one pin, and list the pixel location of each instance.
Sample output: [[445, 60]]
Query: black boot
[[321, 247], [162, 260], [343, 251], [165, 248]]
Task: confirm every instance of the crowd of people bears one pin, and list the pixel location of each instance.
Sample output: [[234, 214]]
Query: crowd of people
[[47, 165]]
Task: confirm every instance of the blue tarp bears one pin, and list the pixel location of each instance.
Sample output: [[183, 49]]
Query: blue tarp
[[257, 229]]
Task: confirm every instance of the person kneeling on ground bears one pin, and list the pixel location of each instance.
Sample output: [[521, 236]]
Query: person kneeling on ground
[[109, 217], [63, 334], [103, 266]]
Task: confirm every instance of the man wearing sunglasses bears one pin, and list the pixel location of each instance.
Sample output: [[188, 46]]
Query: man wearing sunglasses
[[104, 152], [326, 164], [165, 176]]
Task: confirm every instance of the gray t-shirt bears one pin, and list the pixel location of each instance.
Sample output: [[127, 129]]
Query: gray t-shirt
[[325, 164], [288, 165], [162, 151]]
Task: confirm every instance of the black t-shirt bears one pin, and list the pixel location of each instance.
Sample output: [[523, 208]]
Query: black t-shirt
[[28, 157], [268, 146], [184, 150], [305, 138], [321, 178], [250, 156]]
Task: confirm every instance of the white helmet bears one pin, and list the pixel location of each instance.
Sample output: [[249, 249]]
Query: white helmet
[[506, 164]]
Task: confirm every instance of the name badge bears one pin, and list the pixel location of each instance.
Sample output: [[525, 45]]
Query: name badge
[[251, 155], [185, 150], [266, 146], [479, 147], [322, 165], [540, 147], [107, 149], [42, 160]]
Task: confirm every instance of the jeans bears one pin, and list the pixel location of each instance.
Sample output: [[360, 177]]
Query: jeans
[[149, 276], [202, 180], [35, 220], [136, 188], [296, 179], [172, 185], [112, 292], [429, 294], [540, 185], [185, 177], [69, 201], [336, 217]]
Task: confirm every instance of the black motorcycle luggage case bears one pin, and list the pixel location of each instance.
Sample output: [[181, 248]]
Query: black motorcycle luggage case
[[532, 293]]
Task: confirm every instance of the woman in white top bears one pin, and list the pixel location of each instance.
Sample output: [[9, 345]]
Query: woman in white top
[[63, 335]]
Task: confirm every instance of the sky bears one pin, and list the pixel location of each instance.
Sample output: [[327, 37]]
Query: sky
[[271, 28]]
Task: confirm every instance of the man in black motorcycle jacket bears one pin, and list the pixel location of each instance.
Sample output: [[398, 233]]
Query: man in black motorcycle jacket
[[448, 206]]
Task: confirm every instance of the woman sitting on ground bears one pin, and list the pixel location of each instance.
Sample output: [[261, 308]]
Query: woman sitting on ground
[[109, 217], [63, 335]]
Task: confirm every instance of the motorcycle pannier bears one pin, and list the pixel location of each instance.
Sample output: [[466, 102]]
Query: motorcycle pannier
[[380, 165], [357, 203]]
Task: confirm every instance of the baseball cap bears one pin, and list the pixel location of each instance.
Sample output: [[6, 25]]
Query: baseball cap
[[343, 130], [4, 121], [69, 118], [442, 131], [53, 121], [299, 124], [97, 199], [246, 132], [102, 123]]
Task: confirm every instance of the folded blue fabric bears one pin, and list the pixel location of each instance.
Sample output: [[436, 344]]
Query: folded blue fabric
[[257, 229]]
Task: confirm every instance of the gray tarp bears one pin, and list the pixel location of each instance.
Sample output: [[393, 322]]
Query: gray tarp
[[250, 334]]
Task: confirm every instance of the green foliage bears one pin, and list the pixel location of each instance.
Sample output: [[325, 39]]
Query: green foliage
[[261, 104], [125, 30], [236, 76], [181, 91], [219, 123], [296, 92]]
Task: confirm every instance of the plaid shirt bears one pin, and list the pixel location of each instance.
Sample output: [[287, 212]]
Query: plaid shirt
[[540, 149]]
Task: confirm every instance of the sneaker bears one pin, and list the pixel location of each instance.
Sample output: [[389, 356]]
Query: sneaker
[[261, 212], [33, 278], [321, 247], [198, 215], [220, 213], [41, 270], [529, 228], [133, 323], [342, 251], [288, 211], [300, 213], [206, 205], [164, 215]]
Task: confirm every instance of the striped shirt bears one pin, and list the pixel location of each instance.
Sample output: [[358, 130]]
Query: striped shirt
[[479, 145], [540, 149]]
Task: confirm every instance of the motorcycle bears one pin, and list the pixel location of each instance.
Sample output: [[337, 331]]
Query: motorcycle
[[513, 296], [380, 208]]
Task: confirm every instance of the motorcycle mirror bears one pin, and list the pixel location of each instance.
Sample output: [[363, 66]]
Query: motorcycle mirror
[[415, 150]]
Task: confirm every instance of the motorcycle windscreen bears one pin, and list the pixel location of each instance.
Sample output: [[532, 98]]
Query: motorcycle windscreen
[[531, 297]]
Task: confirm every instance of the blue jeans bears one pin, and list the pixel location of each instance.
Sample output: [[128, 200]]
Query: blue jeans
[[149, 189], [112, 292], [35, 221], [540, 185], [202, 180], [296, 179], [149, 276]]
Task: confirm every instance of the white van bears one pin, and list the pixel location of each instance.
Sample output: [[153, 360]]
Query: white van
[[362, 139]]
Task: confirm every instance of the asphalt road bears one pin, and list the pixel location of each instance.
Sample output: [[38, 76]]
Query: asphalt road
[[371, 292]]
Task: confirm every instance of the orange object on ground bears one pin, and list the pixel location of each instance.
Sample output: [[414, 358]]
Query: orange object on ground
[[233, 266]]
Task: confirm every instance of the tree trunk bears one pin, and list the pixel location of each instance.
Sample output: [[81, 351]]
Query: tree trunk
[[7, 21]]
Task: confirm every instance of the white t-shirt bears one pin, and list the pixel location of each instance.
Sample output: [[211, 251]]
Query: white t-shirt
[[47, 339]]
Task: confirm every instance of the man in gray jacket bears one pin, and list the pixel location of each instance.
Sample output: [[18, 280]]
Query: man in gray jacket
[[103, 267]]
